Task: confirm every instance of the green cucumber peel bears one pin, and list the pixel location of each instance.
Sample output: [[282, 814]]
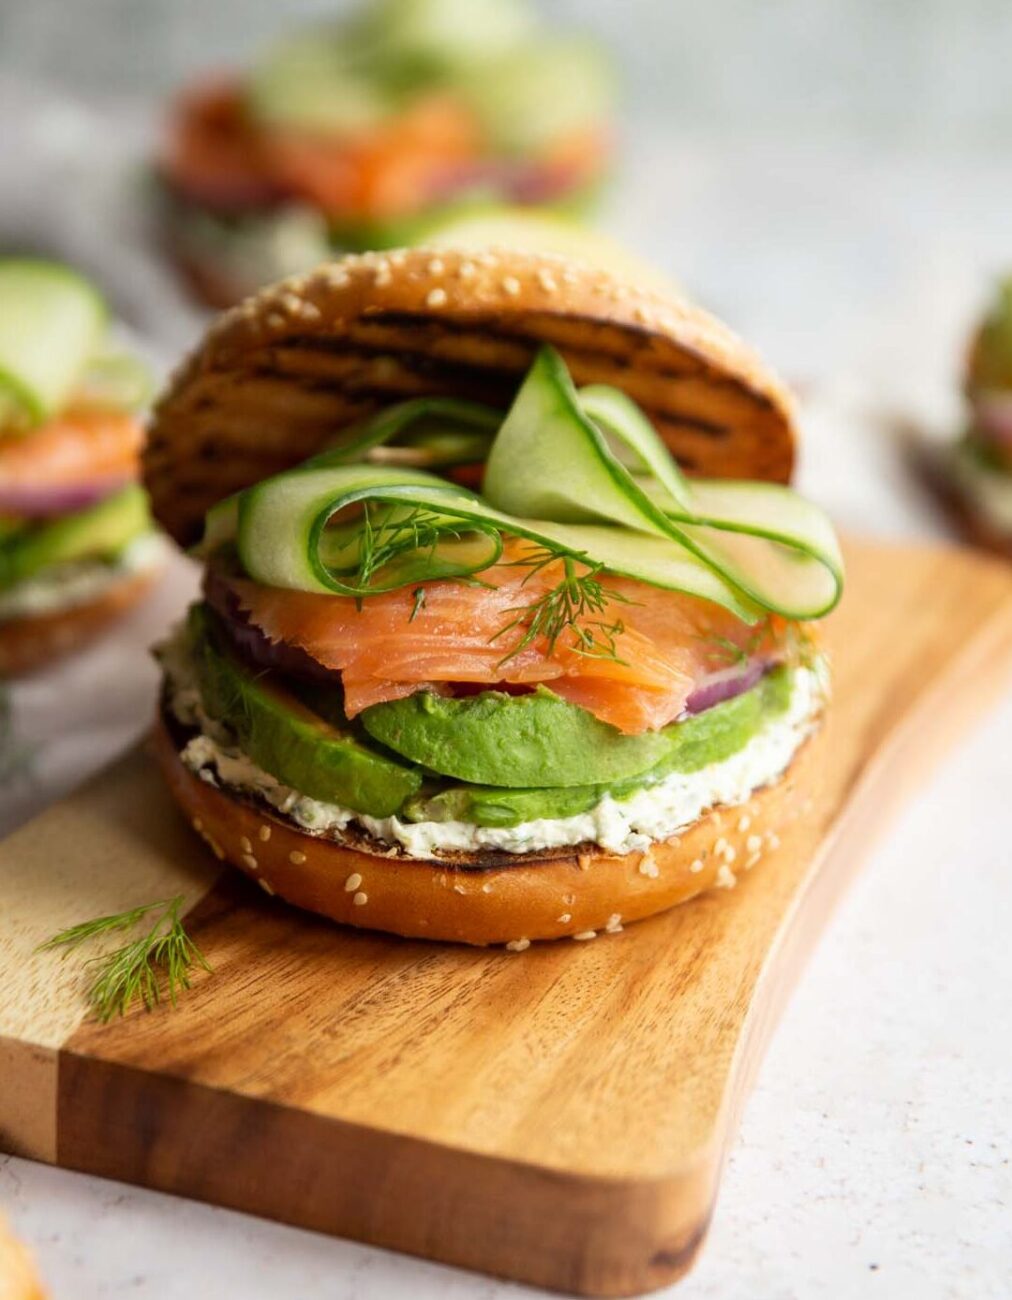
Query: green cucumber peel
[[52, 321], [432, 431], [579, 474]]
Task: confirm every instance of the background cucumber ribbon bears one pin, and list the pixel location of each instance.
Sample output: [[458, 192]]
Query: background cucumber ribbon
[[577, 473]]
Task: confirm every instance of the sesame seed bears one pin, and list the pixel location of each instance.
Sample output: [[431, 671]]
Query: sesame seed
[[744, 823], [435, 298], [773, 840], [720, 846], [311, 312], [518, 945], [570, 277], [297, 857], [585, 934], [382, 276], [264, 833], [547, 281], [730, 853], [754, 843], [352, 883], [641, 314], [696, 867], [613, 925], [360, 899], [245, 845], [275, 320], [648, 867], [337, 279], [436, 266], [750, 862], [250, 862], [198, 825], [565, 918], [511, 285], [216, 849], [725, 877], [264, 886], [398, 257], [467, 270], [569, 899], [459, 889], [486, 887], [583, 861]]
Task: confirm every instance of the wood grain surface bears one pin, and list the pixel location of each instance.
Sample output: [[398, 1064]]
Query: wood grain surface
[[559, 1115]]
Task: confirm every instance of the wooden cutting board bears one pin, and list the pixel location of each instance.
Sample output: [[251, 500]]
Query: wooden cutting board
[[558, 1116]]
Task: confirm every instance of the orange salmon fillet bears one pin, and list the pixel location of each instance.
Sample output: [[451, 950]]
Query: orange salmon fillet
[[78, 446], [668, 645]]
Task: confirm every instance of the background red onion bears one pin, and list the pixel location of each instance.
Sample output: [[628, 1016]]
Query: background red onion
[[43, 501]]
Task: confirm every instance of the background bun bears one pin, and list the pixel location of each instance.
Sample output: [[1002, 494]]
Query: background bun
[[34, 642], [480, 901], [276, 376]]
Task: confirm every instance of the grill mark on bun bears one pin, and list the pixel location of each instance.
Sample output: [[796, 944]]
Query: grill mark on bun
[[278, 376]]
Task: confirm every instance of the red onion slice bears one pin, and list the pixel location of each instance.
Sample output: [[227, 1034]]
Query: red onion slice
[[725, 685], [43, 501]]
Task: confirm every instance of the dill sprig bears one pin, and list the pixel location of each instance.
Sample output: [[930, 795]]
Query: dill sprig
[[567, 608], [155, 965], [730, 653], [380, 543]]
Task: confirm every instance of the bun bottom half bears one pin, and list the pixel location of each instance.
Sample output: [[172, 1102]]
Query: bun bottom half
[[964, 517], [205, 280], [482, 898], [34, 641]]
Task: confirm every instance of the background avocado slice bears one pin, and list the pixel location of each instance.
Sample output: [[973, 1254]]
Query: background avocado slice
[[695, 743], [101, 530], [517, 741], [288, 740]]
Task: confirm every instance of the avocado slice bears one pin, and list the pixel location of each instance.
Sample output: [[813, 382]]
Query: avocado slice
[[100, 530], [709, 737], [517, 741], [287, 739]]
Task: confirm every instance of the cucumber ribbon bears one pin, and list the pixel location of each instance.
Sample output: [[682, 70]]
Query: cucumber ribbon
[[578, 473]]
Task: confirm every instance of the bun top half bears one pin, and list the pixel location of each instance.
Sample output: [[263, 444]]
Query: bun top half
[[277, 377]]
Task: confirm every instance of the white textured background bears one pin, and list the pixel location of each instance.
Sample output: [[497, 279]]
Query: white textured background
[[833, 176]]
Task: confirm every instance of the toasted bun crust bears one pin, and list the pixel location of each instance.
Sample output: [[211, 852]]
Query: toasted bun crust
[[18, 1278], [277, 376], [33, 642], [934, 472], [477, 899]]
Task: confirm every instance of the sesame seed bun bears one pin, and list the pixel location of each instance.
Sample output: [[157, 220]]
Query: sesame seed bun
[[35, 641], [486, 898], [277, 376], [18, 1278]]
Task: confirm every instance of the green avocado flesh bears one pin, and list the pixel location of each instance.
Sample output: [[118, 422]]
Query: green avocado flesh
[[299, 734], [99, 531], [516, 741], [709, 737], [291, 742]]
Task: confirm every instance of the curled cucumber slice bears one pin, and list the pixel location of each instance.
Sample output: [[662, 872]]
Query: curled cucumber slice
[[51, 322], [580, 475]]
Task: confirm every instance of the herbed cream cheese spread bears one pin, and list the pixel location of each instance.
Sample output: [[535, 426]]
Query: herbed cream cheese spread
[[618, 826], [66, 586]]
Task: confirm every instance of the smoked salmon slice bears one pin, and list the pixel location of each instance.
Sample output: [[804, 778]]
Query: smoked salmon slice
[[78, 446], [393, 644]]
